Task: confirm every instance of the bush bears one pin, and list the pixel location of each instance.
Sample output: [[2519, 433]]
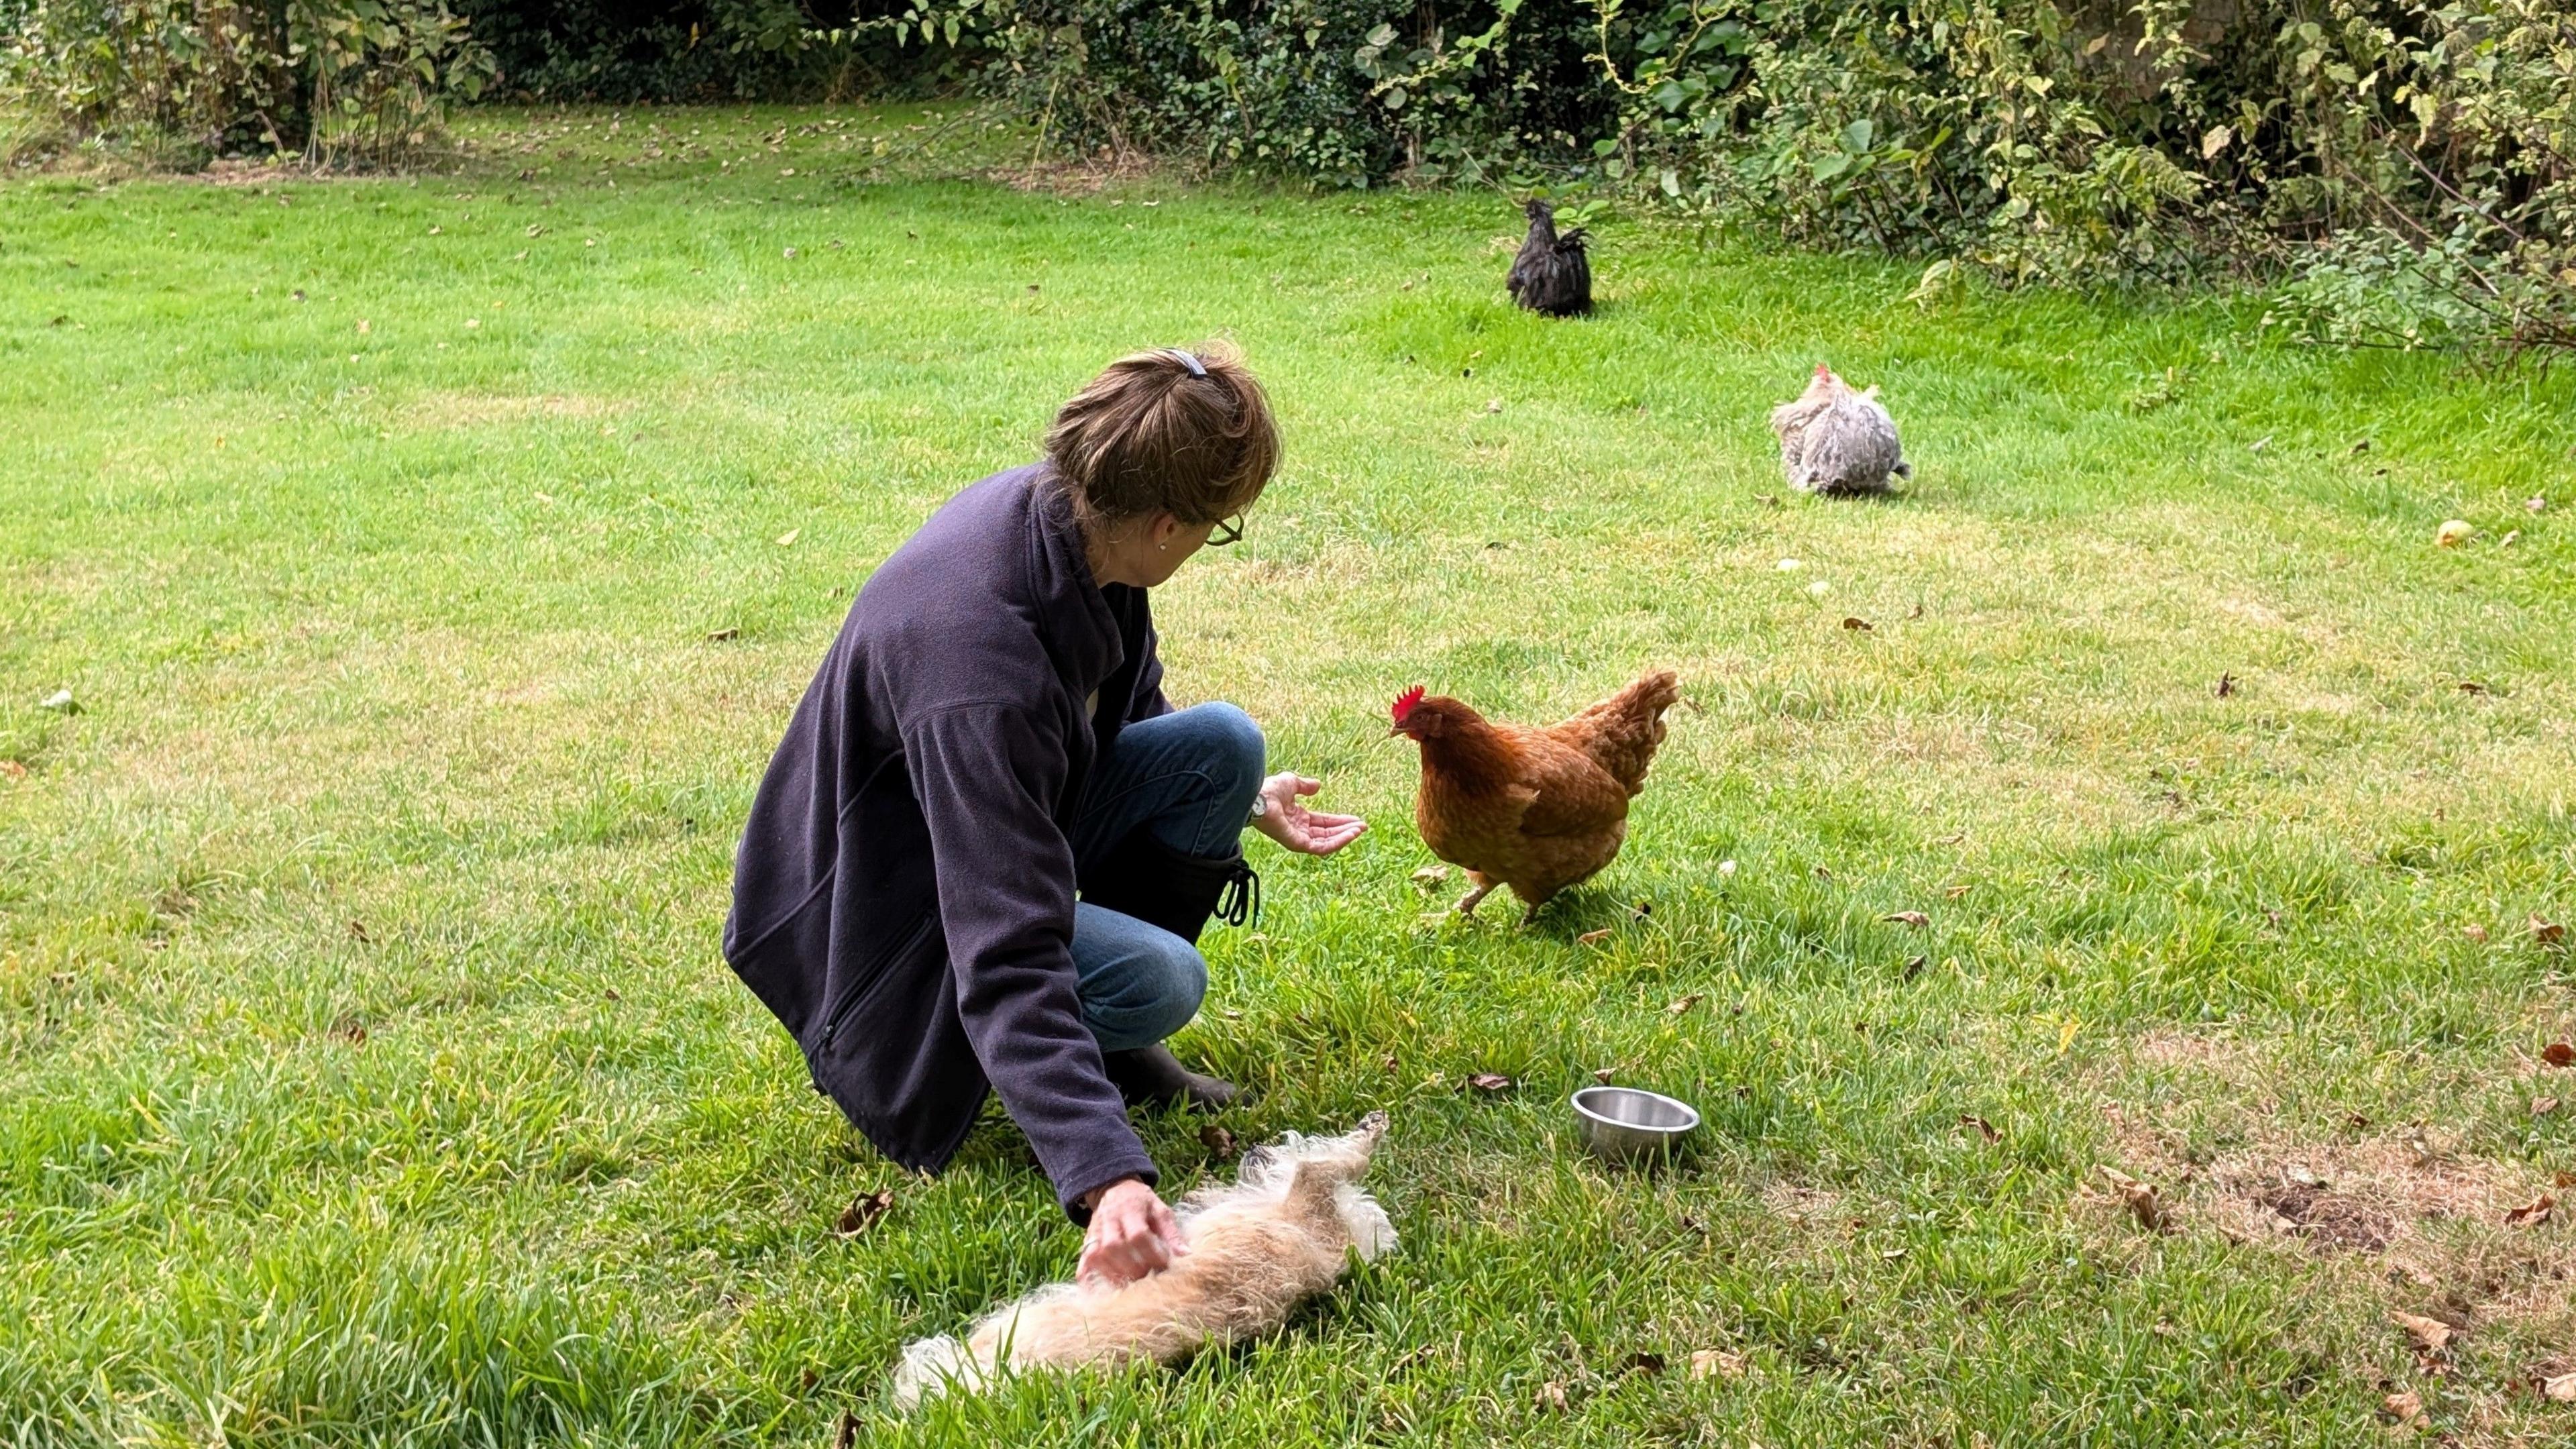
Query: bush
[[337, 81], [698, 50]]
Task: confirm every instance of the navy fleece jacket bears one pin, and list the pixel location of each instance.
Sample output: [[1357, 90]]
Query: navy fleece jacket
[[904, 891]]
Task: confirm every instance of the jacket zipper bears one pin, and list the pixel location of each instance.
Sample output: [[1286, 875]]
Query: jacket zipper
[[874, 972]]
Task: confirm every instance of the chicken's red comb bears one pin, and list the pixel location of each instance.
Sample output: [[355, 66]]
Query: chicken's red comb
[[1405, 702], [1823, 371]]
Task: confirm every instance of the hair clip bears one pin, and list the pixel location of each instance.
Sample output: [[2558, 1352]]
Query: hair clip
[[1189, 360]]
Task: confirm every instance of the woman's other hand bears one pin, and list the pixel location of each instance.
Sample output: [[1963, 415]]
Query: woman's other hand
[[1132, 1234], [1287, 820]]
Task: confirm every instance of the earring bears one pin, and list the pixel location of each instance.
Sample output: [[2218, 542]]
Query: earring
[[1165, 547]]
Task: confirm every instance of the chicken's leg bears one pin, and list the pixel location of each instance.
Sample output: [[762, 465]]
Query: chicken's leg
[[1468, 902]]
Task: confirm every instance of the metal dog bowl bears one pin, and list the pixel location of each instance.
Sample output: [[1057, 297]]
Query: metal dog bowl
[[1624, 1123]]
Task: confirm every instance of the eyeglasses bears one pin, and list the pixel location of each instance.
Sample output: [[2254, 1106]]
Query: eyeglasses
[[1227, 531]]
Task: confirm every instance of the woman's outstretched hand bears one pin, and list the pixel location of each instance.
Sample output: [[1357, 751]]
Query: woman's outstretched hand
[[1288, 821], [1132, 1234]]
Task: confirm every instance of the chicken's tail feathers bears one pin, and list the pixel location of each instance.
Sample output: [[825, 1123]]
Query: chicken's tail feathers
[[1656, 690], [933, 1366]]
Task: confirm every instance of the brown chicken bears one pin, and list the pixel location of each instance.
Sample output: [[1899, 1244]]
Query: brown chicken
[[1533, 809]]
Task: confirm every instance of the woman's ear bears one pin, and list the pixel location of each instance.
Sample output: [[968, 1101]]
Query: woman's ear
[[1165, 527]]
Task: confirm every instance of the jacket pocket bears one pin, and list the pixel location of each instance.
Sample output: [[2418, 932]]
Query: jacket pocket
[[872, 974]]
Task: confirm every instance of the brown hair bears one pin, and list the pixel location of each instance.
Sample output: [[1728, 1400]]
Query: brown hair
[[1188, 433]]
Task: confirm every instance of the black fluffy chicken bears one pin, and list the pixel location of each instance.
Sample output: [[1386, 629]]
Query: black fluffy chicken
[[1551, 275]]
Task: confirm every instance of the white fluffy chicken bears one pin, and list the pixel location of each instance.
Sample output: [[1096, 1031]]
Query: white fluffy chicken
[[1836, 441]]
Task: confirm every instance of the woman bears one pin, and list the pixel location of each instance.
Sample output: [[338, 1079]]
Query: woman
[[989, 736]]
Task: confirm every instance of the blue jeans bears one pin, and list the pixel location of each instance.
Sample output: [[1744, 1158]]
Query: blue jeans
[[1190, 777]]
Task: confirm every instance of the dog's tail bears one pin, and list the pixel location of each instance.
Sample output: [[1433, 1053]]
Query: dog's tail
[[933, 1366]]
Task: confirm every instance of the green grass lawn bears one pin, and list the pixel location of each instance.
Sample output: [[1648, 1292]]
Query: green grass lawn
[[435, 562]]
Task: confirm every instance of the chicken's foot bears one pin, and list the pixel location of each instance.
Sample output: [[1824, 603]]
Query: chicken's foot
[[1468, 902]]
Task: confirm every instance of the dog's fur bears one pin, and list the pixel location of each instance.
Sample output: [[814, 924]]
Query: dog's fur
[[1837, 441], [1279, 1235]]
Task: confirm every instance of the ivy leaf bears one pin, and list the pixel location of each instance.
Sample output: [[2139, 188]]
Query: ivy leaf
[[1829, 167]]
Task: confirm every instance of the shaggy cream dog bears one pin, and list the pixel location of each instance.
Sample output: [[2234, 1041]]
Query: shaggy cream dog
[[1278, 1236]]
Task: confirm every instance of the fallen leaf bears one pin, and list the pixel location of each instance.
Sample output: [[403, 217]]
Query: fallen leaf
[[1914, 967], [12, 770], [789, 253], [2259, 444], [354, 1033], [2143, 1203], [864, 1209], [2564, 1178], [718, 636], [298, 294], [1493, 404], [1716, 1363], [1908, 918], [2543, 1106], [2547, 933], [363, 327], [60, 700], [2454, 532], [1643, 1361], [358, 931], [536, 230], [1768, 499], [2559, 1054], [1551, 1397], [1431, 875], [1956, 891], [2431, 1335], [849, 1431], [2406, 1408], [435, 230], [2535, 504], [2475, 932], [1490, 1082], [2471, 686], [1726, 869], [788, 539], [2531, 1214], [1684, 1004], [2559, 1390], [2226, 685], [2510, 535], [1603, 1075], [1217, 1140], [1594, 938], [1824, 872], [1857, 624], [1984, 1128]]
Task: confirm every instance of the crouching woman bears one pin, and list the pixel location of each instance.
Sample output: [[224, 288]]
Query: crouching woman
[[985, 850]]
